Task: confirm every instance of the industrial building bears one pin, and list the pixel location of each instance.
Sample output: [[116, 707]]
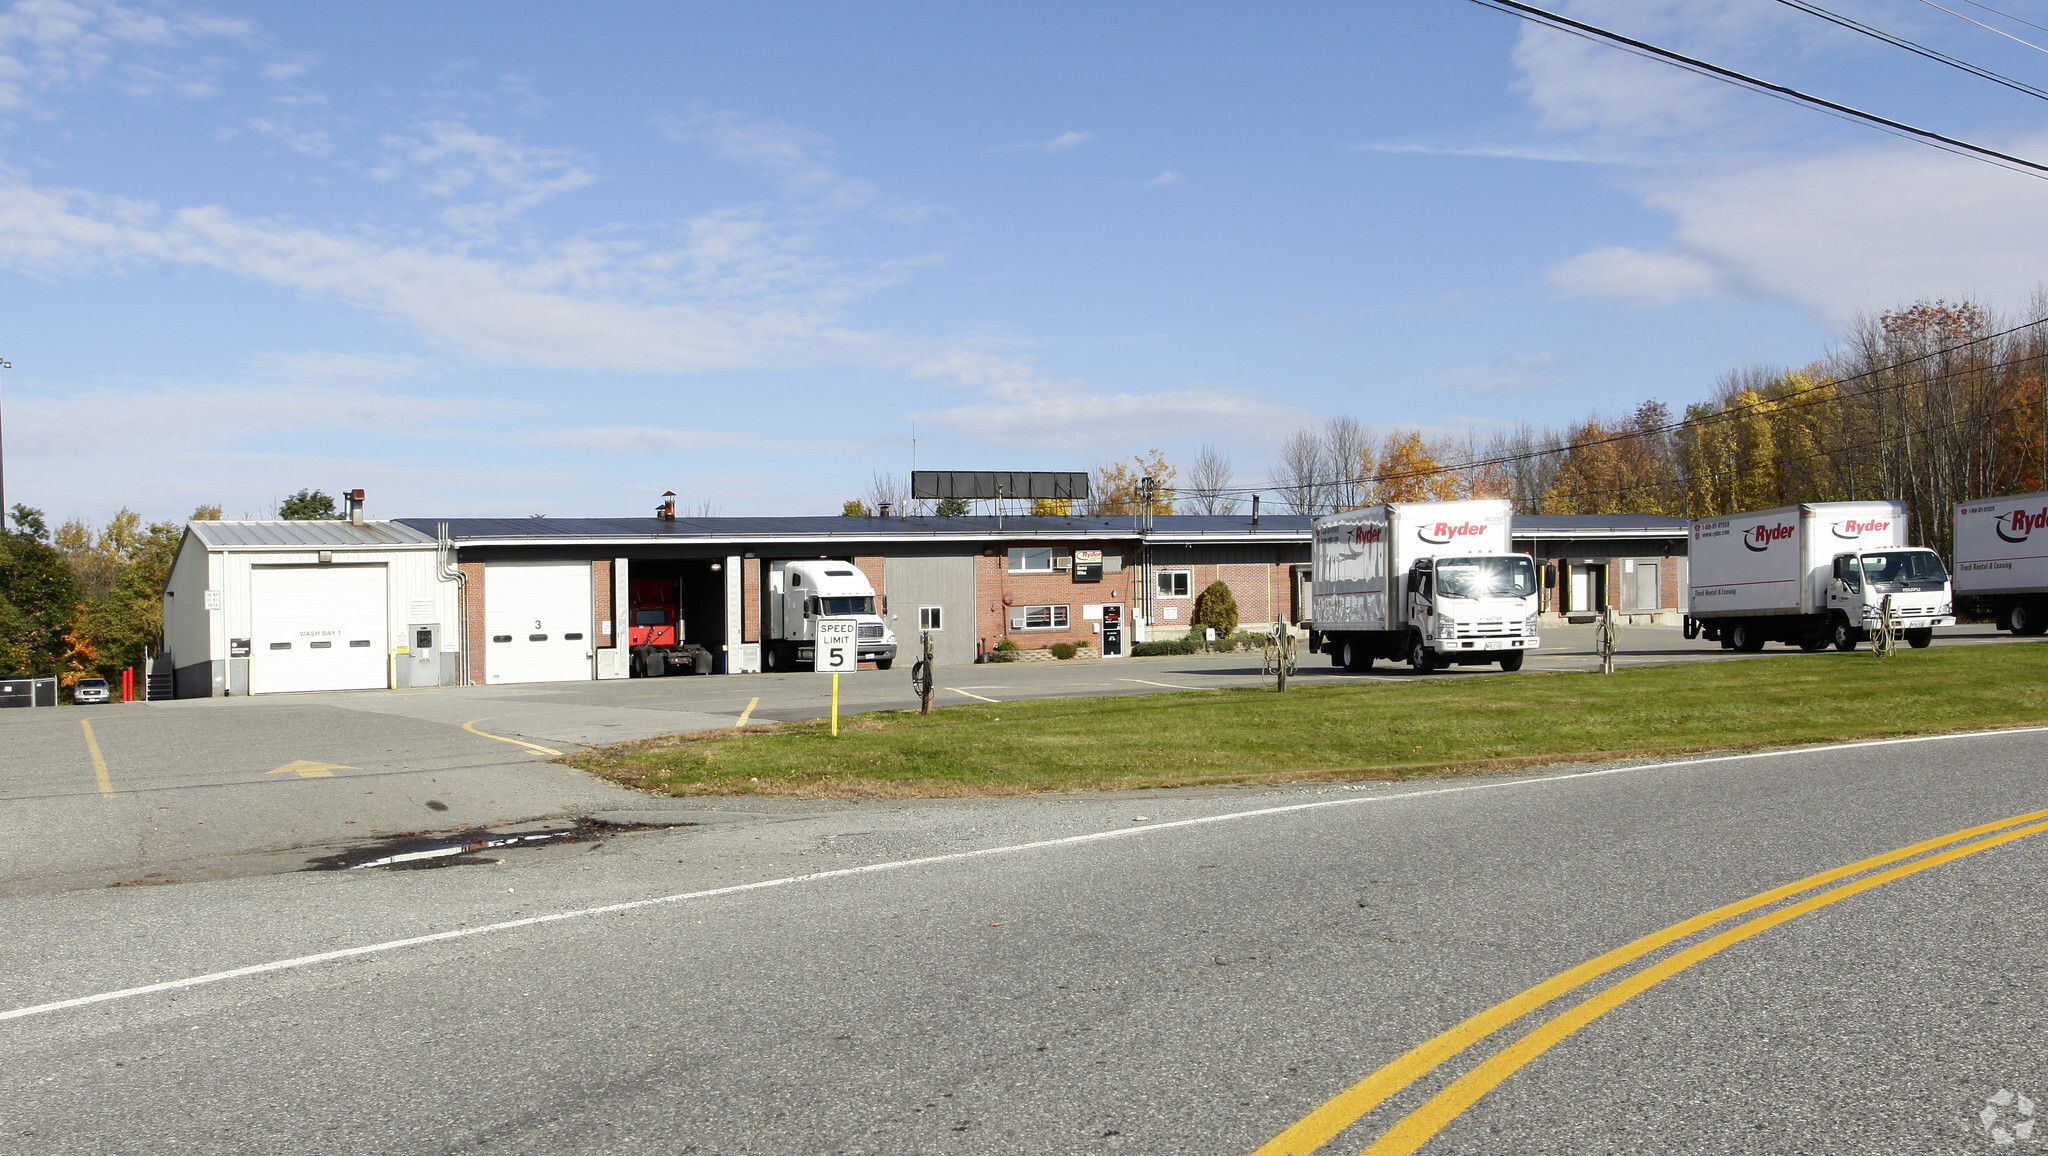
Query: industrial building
[[257, 607]]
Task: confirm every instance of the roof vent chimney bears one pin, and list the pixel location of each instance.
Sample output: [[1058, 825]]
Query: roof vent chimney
[[667, 510], [883, 507], [1255, 511], [355, 507]]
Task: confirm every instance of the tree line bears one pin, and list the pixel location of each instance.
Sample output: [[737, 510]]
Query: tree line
[[1932, 404]]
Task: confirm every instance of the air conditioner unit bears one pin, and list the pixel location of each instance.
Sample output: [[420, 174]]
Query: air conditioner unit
[[1062, 561]]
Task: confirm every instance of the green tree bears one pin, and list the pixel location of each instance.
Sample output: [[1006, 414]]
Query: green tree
[[1216, 606], [38, 597], [951, 508], [854, 508], [306, 505], [130, 621]]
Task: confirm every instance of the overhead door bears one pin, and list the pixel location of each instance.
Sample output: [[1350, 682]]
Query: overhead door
[[537, 616], [316, 628]]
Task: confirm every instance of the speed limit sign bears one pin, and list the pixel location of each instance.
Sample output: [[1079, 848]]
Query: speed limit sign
[[838, 647]]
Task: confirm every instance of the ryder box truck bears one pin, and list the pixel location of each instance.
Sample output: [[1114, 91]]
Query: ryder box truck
[[1435, 583], [1812, 575], [2002, 554]]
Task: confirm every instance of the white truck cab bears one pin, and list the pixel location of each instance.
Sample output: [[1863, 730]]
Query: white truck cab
[[799, 593], [1912, 576]]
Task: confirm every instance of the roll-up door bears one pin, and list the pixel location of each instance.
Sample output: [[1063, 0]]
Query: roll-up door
[[537, 617], [317, 628]]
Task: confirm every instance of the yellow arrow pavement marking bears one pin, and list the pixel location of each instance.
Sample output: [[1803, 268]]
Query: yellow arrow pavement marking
[[1168, 685], [749, 712], [308, 770], [99, 762], [470, 726], [1340, 1112], [971, 694]]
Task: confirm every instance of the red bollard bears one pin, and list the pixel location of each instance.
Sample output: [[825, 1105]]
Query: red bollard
[[128, 685]]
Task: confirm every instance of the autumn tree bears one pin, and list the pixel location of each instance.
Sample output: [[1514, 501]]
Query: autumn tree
[[38, 596], [1052, 507], [1118, 489], [853, 508], [1412, 470]]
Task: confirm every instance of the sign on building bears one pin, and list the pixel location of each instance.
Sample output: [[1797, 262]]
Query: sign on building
[[1087, 565], [837, 649]]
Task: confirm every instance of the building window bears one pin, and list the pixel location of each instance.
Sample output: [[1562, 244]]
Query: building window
[[1038, 618], [1037, 560], [930, 617], [1173, 583]]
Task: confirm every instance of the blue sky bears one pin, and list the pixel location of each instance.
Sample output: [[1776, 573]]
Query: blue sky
[[489, 259]]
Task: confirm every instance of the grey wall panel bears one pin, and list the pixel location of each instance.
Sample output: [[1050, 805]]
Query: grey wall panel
[[945, 582]]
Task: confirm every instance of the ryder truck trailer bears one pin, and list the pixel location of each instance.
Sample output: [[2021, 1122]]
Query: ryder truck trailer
[[1811, 575], [1435, 583], [2002, 554]]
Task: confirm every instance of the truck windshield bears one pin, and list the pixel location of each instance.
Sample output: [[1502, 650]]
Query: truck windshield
[[1897, 571], [650, 618], [861, 605], [1504, 577]]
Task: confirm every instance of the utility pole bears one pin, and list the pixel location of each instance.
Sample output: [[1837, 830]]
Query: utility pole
[[4, 364]]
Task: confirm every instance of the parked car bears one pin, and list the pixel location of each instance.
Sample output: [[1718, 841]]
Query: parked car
[[91, 690]]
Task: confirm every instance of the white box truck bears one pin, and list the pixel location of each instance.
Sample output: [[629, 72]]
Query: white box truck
[[2002, 554], [1435, 583], [1811, 575], [800, 593]]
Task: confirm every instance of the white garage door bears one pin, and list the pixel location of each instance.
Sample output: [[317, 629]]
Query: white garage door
[[537, 616], [316, 628]]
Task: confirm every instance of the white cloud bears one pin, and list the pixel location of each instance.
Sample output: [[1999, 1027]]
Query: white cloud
[[343, 366], [48, 45], [491, 178], [1659, 277], [798, 157], [1169, 177], [1515, 373], [1488, 152], [1064, 142]]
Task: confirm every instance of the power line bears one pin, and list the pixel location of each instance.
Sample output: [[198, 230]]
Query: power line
[[1725, 414], [1994, 12], [1917, 49], [1742, 80]]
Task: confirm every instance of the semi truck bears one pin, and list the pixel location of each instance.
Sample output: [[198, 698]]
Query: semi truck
[[1812, 575], [656, 639], [1434, 583], [799, 593], [2001, 554]]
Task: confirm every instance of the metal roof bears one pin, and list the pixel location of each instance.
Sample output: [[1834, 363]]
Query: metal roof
[[468, 531], [309, 534], [1570, 526]]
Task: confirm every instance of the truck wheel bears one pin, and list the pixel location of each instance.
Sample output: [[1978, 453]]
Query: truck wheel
[[1419, 657], [1354, 656], [1813, 642], [771, 657], [1746, 638], [1846, 636], [2026, 618], [1512, 661], [1920, 639], [656, 664], [884, 663]]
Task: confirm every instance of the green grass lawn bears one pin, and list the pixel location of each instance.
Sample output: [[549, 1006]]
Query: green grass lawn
[[1355, 731]]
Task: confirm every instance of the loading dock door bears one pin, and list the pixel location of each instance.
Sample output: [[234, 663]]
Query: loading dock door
[[317, 628], [537, 618]]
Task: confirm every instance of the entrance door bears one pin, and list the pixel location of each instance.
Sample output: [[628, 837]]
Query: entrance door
[[1581, 593], [537, 616], [317, 628]]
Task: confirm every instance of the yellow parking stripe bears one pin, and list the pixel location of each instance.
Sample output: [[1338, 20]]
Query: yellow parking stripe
[[748, 713], [470, 726], [970, 694], [99, 762], [1341, 1111]]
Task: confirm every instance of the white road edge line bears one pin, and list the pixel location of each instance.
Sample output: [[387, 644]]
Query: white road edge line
[[954, 857]]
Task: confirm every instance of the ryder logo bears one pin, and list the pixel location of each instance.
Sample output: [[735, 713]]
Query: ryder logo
[[2019, 525], [1760, 537], [1853, 529], [1444, 533], [1363, 536]]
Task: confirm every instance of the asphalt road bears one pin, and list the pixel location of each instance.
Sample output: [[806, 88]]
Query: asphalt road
[[214, 788], [1098, 979]]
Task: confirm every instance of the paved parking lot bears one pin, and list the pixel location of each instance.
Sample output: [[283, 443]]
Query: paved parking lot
[[209, 788]]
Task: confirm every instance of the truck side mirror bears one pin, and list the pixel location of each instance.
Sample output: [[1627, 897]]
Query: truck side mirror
[[1838, 567]]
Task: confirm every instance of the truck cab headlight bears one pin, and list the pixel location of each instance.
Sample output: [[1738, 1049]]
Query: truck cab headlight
[[1446, 627], [1529, 625]]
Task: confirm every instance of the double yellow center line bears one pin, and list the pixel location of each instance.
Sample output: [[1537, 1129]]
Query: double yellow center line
[[1415, 1129]]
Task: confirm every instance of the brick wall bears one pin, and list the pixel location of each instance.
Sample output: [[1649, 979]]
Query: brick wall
[[1261, 588], [751, 571], [997, 590], [473, 619]]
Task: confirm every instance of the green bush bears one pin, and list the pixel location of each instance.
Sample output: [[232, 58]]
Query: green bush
[[1082, 643], [1216, 607], [1166, 647], [1062, 650], [1006, 644]]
